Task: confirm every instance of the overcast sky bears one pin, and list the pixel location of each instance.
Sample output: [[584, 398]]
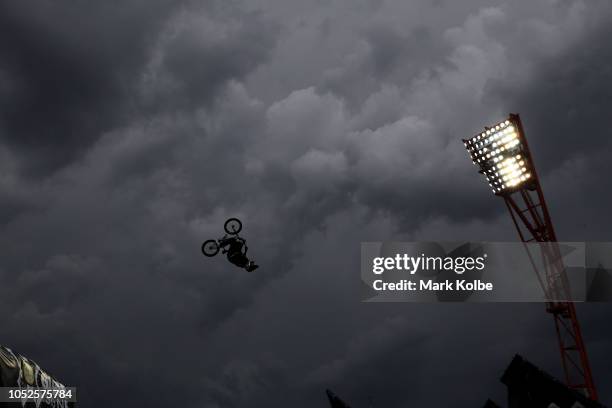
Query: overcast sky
[[129, 132]]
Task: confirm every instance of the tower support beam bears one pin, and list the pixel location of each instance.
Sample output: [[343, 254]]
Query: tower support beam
[[532, 220]]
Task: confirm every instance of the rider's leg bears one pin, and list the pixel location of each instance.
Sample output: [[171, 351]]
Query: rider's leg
[[239, 260]]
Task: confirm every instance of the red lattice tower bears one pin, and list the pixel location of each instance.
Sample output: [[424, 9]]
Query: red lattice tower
[[502, 154]]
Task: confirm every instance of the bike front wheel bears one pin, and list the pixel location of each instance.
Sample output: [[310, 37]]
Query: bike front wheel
[[210, 247]]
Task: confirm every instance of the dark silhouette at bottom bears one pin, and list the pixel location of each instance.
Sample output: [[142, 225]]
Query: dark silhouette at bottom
[[335, 401], [528, 387]]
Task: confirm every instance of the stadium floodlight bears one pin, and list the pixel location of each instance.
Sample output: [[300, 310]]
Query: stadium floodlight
[[502, 156]]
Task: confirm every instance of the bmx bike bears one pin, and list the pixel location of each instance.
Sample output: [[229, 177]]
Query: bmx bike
[[211, 247]]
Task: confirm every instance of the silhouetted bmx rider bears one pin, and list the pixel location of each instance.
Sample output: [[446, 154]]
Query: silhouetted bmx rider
[[232, 245], [236, 250]]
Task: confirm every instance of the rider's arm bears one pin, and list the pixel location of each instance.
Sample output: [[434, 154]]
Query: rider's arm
[[245, 248], [223, 244]]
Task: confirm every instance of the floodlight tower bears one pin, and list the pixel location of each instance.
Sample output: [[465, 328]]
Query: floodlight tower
[[502, 155]]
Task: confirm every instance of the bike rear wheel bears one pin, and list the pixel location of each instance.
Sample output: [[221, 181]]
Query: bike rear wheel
[[233, 226], [210, 247]]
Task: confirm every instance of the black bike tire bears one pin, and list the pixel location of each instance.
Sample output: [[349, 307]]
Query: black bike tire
[[225, 226], [210, 253]]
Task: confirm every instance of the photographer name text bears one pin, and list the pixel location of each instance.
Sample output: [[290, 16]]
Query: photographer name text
[[433, 285]]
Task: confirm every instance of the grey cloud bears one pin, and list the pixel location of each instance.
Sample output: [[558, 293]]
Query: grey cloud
[[74, 71], [201, 50], [231, 112], [567, 101], [68, 66]]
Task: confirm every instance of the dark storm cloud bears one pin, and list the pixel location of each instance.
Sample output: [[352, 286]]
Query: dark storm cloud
[[69, 70], [320, 127], [67, 66], [199, 52], [568, 101], [389, 55]]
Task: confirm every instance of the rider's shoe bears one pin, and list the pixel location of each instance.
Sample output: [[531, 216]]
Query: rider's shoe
[[251, 267]]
